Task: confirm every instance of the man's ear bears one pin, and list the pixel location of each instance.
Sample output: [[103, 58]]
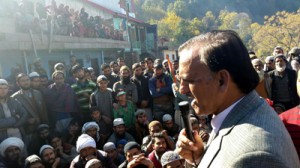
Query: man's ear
[[224, 79]]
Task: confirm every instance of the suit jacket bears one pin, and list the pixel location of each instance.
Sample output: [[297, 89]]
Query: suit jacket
[[251, 135], [35, 110]]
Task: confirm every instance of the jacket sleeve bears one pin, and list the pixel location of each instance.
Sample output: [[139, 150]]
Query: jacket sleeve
[[134, 93], [22, 114]]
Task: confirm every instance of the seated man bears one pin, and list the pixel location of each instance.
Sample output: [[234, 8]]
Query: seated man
[[140, 129], [86, 147], [10, 153], [159, 146], [119, 132], [92, 129], [33, 161], [49, 157], [171, 127], [113, 154], [156, 127], [134, 156], [171, 159]]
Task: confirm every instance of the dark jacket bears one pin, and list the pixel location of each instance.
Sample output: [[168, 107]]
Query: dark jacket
[[142, 89], [292, 77], [78, 162], [17, 119]]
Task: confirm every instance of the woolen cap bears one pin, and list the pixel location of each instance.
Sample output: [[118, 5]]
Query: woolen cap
[[139, 111], [168, 157], [131, 145], [109, 146]]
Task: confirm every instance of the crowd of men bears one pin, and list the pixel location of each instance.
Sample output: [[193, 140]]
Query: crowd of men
[[126, 117], [63, 20]]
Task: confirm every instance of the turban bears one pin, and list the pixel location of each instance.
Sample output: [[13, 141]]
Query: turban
[[89, 125], [84, 141], [12, 141]]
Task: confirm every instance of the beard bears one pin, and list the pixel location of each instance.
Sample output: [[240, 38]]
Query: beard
[[25, 87], [125, 79], [280, 68], [261, 74]]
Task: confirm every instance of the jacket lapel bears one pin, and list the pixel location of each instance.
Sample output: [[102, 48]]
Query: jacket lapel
[[245, 107]]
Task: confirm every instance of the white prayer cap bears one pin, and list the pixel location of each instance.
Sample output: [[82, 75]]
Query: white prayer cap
[[3, 82]]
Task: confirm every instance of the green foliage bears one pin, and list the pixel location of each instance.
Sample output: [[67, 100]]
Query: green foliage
[[178, 20], [281, 29], [180, 7]]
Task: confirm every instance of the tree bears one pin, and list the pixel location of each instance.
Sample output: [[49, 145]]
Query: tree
[[280, 29], [180, 7], [239, 22]]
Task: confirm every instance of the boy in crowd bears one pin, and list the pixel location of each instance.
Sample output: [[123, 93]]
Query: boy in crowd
[[103, 122], [102, 98], [125, 109]]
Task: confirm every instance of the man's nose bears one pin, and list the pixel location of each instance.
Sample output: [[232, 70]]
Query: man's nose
[[183, 88]]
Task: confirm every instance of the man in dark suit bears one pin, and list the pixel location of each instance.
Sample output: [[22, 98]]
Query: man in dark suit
[[216, 70]]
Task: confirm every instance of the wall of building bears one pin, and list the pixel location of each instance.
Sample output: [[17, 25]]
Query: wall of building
[[24, 59]]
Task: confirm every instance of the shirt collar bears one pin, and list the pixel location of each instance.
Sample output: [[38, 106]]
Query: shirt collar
[[217, 120]]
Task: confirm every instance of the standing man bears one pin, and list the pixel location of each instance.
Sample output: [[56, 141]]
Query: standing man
[[35, 82], [126, 85], [216, 70], [112, 78], [61, 99], [149, 68], [141, 83], [269, 64], [32, 101], [160, 86], [283, 84], [12, 114], [115, 68], [83, 88], [262, 88]]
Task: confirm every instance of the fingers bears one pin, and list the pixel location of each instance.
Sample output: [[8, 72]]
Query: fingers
[[188, 149], [183, 140]]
